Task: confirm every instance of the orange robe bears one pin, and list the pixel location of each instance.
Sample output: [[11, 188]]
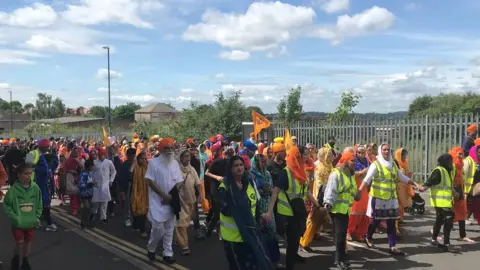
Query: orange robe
[[358, 220]]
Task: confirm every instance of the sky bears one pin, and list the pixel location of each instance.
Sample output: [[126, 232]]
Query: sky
[[179, 51]]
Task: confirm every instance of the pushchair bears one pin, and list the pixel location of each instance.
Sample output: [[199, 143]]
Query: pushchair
[[418, 204]]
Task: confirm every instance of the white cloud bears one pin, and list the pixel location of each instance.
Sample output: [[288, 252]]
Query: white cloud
[[4, 86], [91, 12], [135, 98], [475, 61], [18, 57], [426, 73], [187, 90], [235, 55], [281, 50], [219, 75], [267, 25], [102, 73], [38, 15], [333, 6]]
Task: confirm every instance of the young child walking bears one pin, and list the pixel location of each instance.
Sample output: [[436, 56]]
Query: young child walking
[[23, 206], [85, 186]]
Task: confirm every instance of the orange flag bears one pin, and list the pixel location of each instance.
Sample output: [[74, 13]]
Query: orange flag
[[259, 122], [287, 140], [106, 141]]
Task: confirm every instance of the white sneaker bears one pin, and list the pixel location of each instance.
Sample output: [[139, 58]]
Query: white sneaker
[[51, 228], [128, 223]]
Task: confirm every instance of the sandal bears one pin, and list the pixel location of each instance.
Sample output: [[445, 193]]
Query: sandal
[[369, 244], [185, 252], [349, 237], [396, 252]]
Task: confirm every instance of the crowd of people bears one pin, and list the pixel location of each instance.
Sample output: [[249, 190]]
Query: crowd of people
[[252, 192]]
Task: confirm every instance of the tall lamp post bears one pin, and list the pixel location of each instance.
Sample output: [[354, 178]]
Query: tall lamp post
[[11, 113], [109, 104]]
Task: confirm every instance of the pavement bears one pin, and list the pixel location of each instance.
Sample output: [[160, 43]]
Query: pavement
[[114, 246]]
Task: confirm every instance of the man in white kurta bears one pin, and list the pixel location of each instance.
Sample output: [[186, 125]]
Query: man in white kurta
[[163, 173], [103, 176]]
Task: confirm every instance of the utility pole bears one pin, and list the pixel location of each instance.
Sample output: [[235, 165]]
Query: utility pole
[[109, 103], [11, 114]]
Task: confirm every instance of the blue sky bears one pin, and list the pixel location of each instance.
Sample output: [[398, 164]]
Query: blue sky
[[179, 51]]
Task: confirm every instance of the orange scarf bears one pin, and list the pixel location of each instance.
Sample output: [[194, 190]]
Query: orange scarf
[[402, 163], [296, 165], [457, 181]]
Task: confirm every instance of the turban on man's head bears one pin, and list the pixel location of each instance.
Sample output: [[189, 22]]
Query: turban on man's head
[[477, 142], [44, 143], [5, 142], [13, 140], [250, 146], [217, 146], [189, 141], [135, 135], [278, 140], [164, 143], [346, 156], [473, 128], [102, 151], [278, 147]]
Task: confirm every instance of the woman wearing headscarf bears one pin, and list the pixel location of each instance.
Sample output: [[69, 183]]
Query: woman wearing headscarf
[[405, 192], [291, 190], [187, 190], [139, 198], [243, 240], [268, 152], [459, 204], [383, 203], [358, 220], [264, 184], [318, 216]]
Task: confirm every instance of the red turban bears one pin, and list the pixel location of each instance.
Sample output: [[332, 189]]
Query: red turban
[[217, 146], [247, 162], [102, 151], [477, 142], [189, 141], [346, 156], [44, 143], [165, 142], [473, 128]]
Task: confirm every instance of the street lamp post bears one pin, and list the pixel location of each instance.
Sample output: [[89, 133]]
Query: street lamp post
[[109, 104], [11, 113]]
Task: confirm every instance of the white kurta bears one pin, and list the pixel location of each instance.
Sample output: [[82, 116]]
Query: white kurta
[[103, 174], [166, 176]]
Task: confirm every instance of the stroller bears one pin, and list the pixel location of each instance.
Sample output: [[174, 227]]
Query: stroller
[[418, 204]]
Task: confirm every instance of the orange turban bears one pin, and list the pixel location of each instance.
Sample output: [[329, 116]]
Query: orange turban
[[473, 128], [5, 142], [278, 147], [346, 156], [296, 165], [165, 142], [102, 151], [477, 142], [13, 140], [189, 141]]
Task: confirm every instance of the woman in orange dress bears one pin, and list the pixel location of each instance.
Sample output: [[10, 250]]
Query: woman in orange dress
[[404, 191], [460, 205], [358, 221]]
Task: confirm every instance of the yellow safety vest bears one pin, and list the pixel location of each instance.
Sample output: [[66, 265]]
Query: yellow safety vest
[[328, 146], [441, 195], [295, 190], [36, 158], [346, 191], [228, 228], [468, 178], [384, 185]]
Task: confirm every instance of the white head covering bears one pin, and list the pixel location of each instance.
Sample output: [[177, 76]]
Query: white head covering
[[386, 163]]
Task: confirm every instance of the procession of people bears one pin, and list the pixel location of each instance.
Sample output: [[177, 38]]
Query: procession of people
[[253, 193]]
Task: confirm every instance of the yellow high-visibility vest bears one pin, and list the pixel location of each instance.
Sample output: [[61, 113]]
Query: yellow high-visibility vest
[[384, 184], [441, 195], [295, 190], [346, 191], [468, 177]]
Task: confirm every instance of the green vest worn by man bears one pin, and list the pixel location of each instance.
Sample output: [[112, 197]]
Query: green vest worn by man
[[468, 177], [384, 184], [346, 191], [295, 190], [228, 228], [33, 157], [441, 195]]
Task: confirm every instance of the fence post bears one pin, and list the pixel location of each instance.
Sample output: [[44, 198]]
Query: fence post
[[427, 147], [354, 136]]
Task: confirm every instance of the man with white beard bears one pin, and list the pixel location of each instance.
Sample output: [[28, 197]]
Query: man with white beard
[[163, 174]]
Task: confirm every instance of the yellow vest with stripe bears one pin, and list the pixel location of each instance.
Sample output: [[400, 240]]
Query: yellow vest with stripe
[[36, 158], [228, 228], [328, 146], [384, 184], [468, 178], [441, 195], [295, 190], [346, 191]]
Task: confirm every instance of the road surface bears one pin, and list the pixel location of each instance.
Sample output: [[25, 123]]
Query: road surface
[[113, 246]]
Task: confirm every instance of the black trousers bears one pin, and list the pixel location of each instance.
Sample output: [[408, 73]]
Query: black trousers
[[139, 223], [340, 224], [444, 216], [46, 215], [293, 241]]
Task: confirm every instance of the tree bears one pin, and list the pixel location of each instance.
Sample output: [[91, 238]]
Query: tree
[[28, 106], [445, 104], [127, 111], [253, 108], [419, 105], [17, 107], [348, 102], [98, 111], [289, 108], [47, 107]]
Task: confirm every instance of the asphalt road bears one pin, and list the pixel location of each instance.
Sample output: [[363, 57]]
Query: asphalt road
[[113, 246]]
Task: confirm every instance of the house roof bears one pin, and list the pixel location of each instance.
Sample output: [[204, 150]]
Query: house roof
[[68, 120], [157, 108]]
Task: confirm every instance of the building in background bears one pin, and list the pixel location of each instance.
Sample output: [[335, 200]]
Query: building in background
[[156, 113]]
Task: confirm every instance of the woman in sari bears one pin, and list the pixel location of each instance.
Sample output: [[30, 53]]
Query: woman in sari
[[358, 221], [460, 204], [318, 216], [139, 198], [404, 191], [264, 184], [244, 243]]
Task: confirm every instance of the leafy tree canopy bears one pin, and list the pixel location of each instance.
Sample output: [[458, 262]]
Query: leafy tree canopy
[[348, 102], [289, 108], [445, 104], [127, 111]]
